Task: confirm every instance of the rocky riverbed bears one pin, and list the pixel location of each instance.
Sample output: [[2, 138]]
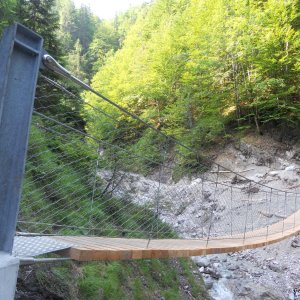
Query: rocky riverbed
[[193, 204], [272, 272], [266, 273]]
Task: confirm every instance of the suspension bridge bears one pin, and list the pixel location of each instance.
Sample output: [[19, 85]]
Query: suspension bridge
[[94, 189]]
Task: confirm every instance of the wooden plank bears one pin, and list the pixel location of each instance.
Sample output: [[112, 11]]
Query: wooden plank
[[103, 248]]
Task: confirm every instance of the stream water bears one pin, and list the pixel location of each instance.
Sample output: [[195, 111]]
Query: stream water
[[219, 291]]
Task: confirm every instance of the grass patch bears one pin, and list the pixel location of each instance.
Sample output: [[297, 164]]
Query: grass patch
[[57, 190]]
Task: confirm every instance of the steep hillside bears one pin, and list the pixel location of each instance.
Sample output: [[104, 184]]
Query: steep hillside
[[58, 187], [204, 72], [196, 69], [147, 279], [59, 168]]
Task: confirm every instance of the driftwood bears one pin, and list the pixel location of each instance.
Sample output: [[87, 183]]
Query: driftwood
[[266, 214], [294, 186], [231, 171], [280, 216], [271, 215]]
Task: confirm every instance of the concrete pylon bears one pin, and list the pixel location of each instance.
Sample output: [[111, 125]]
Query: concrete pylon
[[9, 267]]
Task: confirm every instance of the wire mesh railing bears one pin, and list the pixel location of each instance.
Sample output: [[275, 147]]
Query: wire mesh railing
[[99, 170]]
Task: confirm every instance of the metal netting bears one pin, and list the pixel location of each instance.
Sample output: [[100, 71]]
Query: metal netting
[[91, 171]]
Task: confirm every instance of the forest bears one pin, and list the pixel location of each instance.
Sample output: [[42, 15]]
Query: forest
[[198, 71], [194, 69]]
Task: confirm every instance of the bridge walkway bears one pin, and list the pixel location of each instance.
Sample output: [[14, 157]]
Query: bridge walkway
[[102, 248]]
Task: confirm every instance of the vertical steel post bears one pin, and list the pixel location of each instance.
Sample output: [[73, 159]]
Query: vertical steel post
[[20, 57]]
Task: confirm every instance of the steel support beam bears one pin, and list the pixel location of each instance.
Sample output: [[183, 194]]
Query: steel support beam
[[20, 58]]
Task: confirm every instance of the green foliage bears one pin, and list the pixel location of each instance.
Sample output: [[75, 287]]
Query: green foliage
[[86, 40], [142, 279], [193, 67], [67, 23], [76, 61], [197, 291], [40, 16], [169, 294], [190, 68], [60, 178], [6, 12], [60, 166], [152, 155]]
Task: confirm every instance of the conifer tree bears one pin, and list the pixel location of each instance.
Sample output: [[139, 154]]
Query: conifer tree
[[41, 16], [6, 13]]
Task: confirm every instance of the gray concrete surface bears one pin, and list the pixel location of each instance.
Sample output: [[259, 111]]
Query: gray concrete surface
[[9, 267]]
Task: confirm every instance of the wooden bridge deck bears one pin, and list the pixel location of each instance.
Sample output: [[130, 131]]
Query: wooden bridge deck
[[102, 248]]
